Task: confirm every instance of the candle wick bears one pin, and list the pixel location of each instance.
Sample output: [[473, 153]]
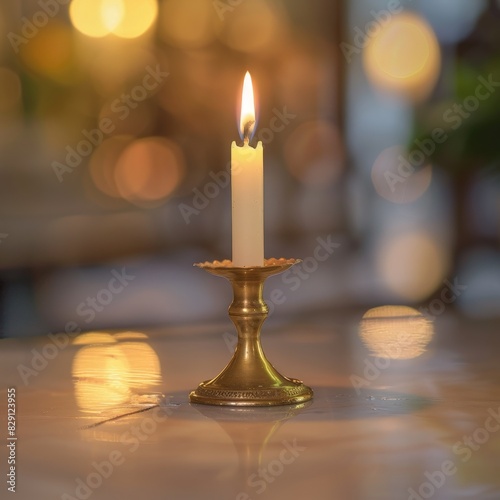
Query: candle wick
[[246, 131]]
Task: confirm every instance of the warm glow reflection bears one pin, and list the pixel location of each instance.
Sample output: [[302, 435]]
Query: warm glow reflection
[[187, 24], [247, 114], [396, 332], [124, 18], [144, 365], [149, 170], [400, 176], [100, 375], [130, 336], [412, 265], [94, 338], [110, 370], [314, 154], [403, 56]]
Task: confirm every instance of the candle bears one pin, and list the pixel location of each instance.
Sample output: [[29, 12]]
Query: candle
[[247, 188]]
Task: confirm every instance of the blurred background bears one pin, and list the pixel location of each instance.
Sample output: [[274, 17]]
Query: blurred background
[[380, 121]]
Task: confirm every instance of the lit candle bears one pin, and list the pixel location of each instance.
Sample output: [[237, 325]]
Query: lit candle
[[247, 188]]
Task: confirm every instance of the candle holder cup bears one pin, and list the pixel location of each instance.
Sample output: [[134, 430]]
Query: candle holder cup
[[249, 379]]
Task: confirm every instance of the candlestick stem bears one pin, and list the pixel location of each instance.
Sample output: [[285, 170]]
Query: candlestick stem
[[249, 379]]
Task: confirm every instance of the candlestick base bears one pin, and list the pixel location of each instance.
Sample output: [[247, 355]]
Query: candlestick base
[[249, 379]]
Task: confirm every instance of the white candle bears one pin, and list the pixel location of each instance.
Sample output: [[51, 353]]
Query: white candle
[[247, 188]]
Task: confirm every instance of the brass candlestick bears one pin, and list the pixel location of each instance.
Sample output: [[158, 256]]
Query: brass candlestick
[[249, 379]]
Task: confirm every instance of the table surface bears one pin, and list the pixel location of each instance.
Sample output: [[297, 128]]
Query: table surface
[[403, 409]]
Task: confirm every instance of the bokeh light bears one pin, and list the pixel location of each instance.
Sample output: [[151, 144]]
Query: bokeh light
[[87, 17], [89, 338], [124, 18], [395, 332], [411, 265], [398, 178], [403, 55], [55, 39], [103, 161], [112, 13], [187, 24], [314, 154], [149, 170]]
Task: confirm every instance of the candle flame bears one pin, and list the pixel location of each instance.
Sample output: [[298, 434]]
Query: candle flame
[[247, 116]]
